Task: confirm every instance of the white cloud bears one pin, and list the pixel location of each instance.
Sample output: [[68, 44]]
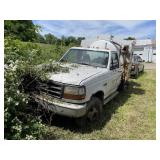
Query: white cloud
[[124, 28], [129, 24]]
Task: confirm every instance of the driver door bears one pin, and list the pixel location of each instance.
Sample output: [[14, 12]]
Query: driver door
[[115, 72]]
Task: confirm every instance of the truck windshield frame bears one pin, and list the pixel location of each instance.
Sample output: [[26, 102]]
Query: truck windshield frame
[[87, 57]]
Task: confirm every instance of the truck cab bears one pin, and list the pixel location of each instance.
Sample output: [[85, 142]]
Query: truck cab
[[94, 76]]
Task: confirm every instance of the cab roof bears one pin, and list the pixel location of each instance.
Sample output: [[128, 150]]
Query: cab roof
[[91, 49]]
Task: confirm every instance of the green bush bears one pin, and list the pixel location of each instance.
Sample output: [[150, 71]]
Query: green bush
[[21, 60], [50, 52], [18, 123]]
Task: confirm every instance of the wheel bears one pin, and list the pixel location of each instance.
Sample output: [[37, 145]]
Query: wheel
[[137, 73], [143, 69], [121, 86], [94, 113]]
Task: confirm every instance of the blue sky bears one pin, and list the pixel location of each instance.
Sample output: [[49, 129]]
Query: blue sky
[[139, 29]]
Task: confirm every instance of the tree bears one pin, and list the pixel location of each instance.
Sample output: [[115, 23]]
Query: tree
[[63, 40], [40, 38], [23, 30], [130, 38], [70, 40], [50, 39], [79, 39]]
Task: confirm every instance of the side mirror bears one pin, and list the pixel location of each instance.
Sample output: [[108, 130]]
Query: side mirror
[[143, 60]]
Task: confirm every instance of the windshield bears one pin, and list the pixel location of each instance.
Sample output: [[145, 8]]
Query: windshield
[[87, 57]]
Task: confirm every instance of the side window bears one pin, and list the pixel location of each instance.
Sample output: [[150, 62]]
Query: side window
[[114, 61]]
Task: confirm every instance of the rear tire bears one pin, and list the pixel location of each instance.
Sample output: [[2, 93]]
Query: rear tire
[[137, 73], [143, 69], [93, 115]]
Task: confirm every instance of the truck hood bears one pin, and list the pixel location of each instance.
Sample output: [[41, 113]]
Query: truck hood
[[76, 74]]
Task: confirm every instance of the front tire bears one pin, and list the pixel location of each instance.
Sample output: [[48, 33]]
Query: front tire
[[121, 86], [94, 113]]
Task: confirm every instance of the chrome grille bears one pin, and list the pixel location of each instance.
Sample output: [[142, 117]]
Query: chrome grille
[[51, 88]]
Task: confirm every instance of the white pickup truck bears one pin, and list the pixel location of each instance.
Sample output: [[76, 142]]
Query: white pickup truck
[[93, 80]]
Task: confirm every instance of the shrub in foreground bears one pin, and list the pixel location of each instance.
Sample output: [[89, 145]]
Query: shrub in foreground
[[18, 122]]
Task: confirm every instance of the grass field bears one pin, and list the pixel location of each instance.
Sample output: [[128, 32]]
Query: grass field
[[130, 115]]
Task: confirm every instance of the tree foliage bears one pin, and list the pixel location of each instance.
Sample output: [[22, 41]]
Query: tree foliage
[[21, 59], [50, 39], [23, 30], [130, 38], [40, 38], [71, 41], [63, 41]]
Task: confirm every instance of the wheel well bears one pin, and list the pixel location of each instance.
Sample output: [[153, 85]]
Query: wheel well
[[99, 95]]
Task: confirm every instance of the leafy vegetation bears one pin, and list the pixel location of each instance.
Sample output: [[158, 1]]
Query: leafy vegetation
[[26, 31], [22, 30], [130, 38], [21, 59]]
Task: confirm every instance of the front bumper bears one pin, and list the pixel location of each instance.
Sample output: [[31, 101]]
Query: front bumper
[[61, 107]]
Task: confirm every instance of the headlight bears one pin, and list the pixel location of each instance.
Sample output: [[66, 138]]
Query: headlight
[[74, 92]]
